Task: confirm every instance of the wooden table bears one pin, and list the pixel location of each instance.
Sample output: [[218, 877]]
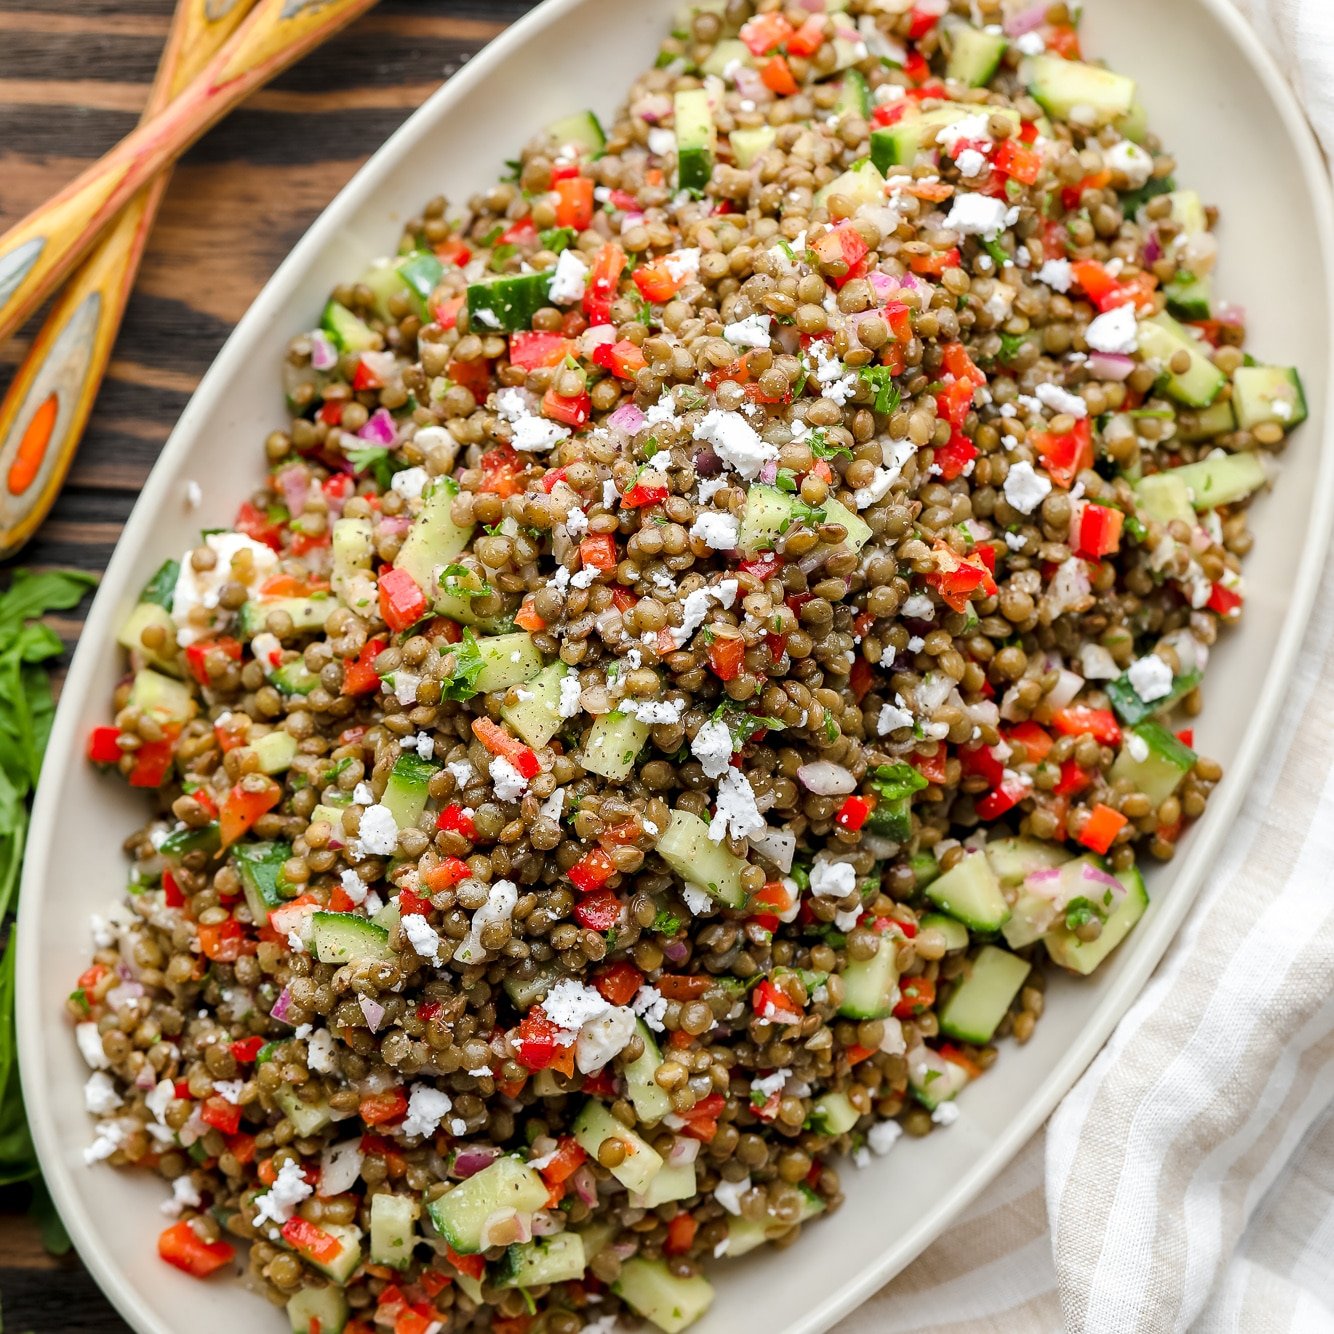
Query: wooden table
[[73, 78]]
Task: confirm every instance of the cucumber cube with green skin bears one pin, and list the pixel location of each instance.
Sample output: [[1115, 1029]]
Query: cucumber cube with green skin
[[276, 751], [460, 1214], [131, 636], [854, 95], [983, 998], [1030, 919], [260, 867], [307, 1118], [420, 272], [583, 130], [686, 847], [891, 819], [1164, 496], [165, 698], [1187, 211], [748, 144], [1263, 394], [925, 868], [341, 937], [507, 303], [1164, 761], [833, 1114], [647, 1096], [1217, 419], [1013, 859], [408, 788], [974, 55], [696, 140], [1223, 479], [651, 1290], [434, 539], [1134, 125], [393, 1229], [859, 531], [531, 1264], [768, 514], [672, 1183], [353, 557], [612, 745], [524, 993], [318, 1311], [1189, 297], [1131, 709], [1160, 339], [1083, 956], [745, 1234], [340, 1266], [386, 285], [899, 144], [1059, 86], [954, 932], [181, 842], [294, 678], [862, 183], [307, 615], [971, 892], [507, 660], [349, 333], [642, 1162], [538, 719], [932, 1079], [871, 986]]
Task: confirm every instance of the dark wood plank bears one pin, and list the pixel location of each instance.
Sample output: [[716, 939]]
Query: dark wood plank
[[72, 80]]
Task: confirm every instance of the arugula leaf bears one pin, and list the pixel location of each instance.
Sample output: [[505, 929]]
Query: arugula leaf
[[468, 663]]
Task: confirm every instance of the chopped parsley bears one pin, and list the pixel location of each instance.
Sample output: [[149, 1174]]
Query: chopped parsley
[[881, 380], [468, 664]]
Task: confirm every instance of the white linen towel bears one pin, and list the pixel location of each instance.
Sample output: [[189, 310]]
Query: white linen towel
[[1186, 1183]]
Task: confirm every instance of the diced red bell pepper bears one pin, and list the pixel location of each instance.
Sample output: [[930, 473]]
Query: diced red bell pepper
[[521, 233], [1017, 161], [564, 1161], [1009, 794], [450, 872], [402, 603], [221, 1114], [377, 1109], [861, 676], [916, 996], [954, 1056], [526, 618], [1097, 530], [619, 982], [1073, 779], [223, 942], [534, 350], [455, 820], [245, 1050], [764, 32], [410, 903], [374, 370], [890, 113], [196, 653], [809, 38], [701, 1121], [1081, 720], [535, 1040], [1225, 601], [931, 767], [257, 526], [501, 469], [1107, 292], [1066, 455], [953, 457], [844, 243], [656, 281], [574, 202], [727, 657], [777, 77], [243, 806], [104, 745], [446, 312], [152, 763], [915, 67], [933, 265], [359, 674], [603, 280], [1072, 194], [639, 495], [920, 22], [311, 1240], [592, 871], [599, 911], [573, 411], [955, 359], [773, 1005], [958, 578], [1035, 741], [683, 986], [171, 891], [1101, 828], [453, 250], [982, 761], [180, 1245], [623, 359], [680, 1234], [599, 552], [954, 402], [472, 1266], [499, 742], [1062, 39], [854, 811]]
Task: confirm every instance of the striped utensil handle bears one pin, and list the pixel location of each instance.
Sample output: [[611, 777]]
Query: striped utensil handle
[[38, 253], [46, 408]]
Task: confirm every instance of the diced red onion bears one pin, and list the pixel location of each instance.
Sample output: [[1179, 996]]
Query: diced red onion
[[1067, 686], [379, 428], [1110, 365], [653, 107], [624, 1250], [546, 1223], [1095, 875], [585, 1184], [627, 418], [1153, 247], [146, 1078], [813, 559], [393, 525], [373, 1011], [750, 84], [1043, 878], [684, 1151], [506, 1227], [340, 1166], [1027, 20], [281, 1006], [826, 779], [779, 845], [323, 354], [881, 284], [294, 484], [769, 472], [676, 951], [1229, 312], [595, 336], [471, 1160], [121, 996]]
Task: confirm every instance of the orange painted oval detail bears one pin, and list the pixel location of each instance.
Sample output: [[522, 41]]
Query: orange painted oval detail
[[32, 448]]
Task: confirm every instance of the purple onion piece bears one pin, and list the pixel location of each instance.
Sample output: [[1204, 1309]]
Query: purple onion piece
[[677, 951], [281, 1006], [707, 463], [471, 1160], [826, 779], [323, 354], [380, 428], [585, 1185], [1027, 20], [627, 418], [1110, 365], [373, 1011]]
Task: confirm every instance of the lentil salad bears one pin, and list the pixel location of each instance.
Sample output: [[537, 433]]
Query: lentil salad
[[703, 647]]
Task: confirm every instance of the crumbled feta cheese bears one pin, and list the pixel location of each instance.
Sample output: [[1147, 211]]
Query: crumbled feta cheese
[[832, 879], [696, 900], [1056, 274], [893, 1043], [552, 807], [499, 907], [1015, 541], [1113, 331], [110, 1136], [916, 644], [422, 936], [682, 263], [362, 794], [405, 687], [737, 814], [650, 1005], [377, 833], [510, 784], [887, 655], [977, 215], [1096, 663], [729, 1193], [427, 1107], [883, 1136], [535, 435], [766, 1086], [422, 743], [1025, 489], [1131, 161], [661, 141], [712, 747], [657, 711], [710, 486], [1062, 400], [753, 331], [1150, 678], [458, 1126], [159, 1098], [320, 1051], [918, 607], [696, 606], [1138, 748], [203, 588], [570, 1005], [946, 1114], [603, 1037], [716, 530], [99, 1094], [90, 1045], [279, 1202], [410, 483], [893, 716], [735, 441], [971, 163], [184, 1195], [568, 279], [229, 1090], [462, 772], [568, 703], [974, 128], [576, 522]]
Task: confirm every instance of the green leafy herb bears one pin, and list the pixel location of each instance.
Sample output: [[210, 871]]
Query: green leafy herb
[[494, 234], [556, 239], [742, 725], [1080, 912], [452, 579], [468, 664], [1133, 200], [881, 379], [666, 923], [822, 449], [786, 480], [161, 588], [1010, 345], [378, 461], [500, 256], [513, 166], [997, 252]]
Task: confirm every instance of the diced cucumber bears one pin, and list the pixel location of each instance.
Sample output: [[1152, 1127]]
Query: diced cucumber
[[1059, 86], [340, 937], [353, 556], [871, 986], [460, 1213], [421, 272], [649, 1288], [974, 55], [1159, 773], [524, 993], [748, 144], [686, 847], [507, 303], [696, 140], [1132, 709], [1013, 858], [612, 745], [386, 284], [746, 1234], [393, 1229], [768, 515], [144, 616], [891, 819], [307, 1118], [1189, 297], [854, 96], [859, 531], [340, 1266], [862, 183], [932, 1078], [726, 52], [847, 53], [260, 867], [276, 750], [1268, 394], [955, 933], [833, 1114], [349, 333], [294, 678], [1217, 419], [434, 538], [971, 892], [1160, 339], [1134, 125], [981, 1000], [1222, 479], [582, 130], [183, 841], [647, 1096], [595, 1124], [408, 788], [538, 719], [1083, 956], [1032, 915], [1164, 496], [672, 1183], [317, 1311], [530, 1264], [507, 660], [899, 144], [1188, 211], [925, 868], [164, 698]]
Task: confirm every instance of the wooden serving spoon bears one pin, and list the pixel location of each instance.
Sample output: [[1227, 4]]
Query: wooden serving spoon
[[46, 408]]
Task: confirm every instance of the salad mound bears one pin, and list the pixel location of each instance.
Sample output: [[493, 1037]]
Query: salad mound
[[719, 626]]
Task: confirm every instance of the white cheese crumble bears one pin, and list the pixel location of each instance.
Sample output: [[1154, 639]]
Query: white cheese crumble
[[729, 1193], [696, 900], [970, 163], [661, 141], [655, 712], [1062, 400], [320, 1052], [883, 1136], [510, 784], [568, 703], [1131, 161], [977, 215], [462, 772], [1025, 489], [696, 606], [650, 1005], [499, 907], [712, 747], [737, 814], [603, 1037], [682, 264], [568, 279], [99, 1094], [974, 128], [1056, 274], [552, 807], [90, 1045], [716, 530], [570, 1005], [427, 1107], [422, 936], [377, 833], [410, 483], [887, 655], [110, 1136], [735, 441], [1113, 331], [1030, 44], [363, 795], [1150, 678], [753, 331], [422, 743], [919, 607], [832, 879], [184, 1195], [946, 1114], [279, 1202], [893, 716], [1138, 748]]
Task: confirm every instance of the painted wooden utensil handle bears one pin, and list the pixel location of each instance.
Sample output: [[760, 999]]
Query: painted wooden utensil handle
[[46, 408], [39, 252]]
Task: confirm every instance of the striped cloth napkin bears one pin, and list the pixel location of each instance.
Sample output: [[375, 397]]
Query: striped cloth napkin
[[1187, 1181]]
